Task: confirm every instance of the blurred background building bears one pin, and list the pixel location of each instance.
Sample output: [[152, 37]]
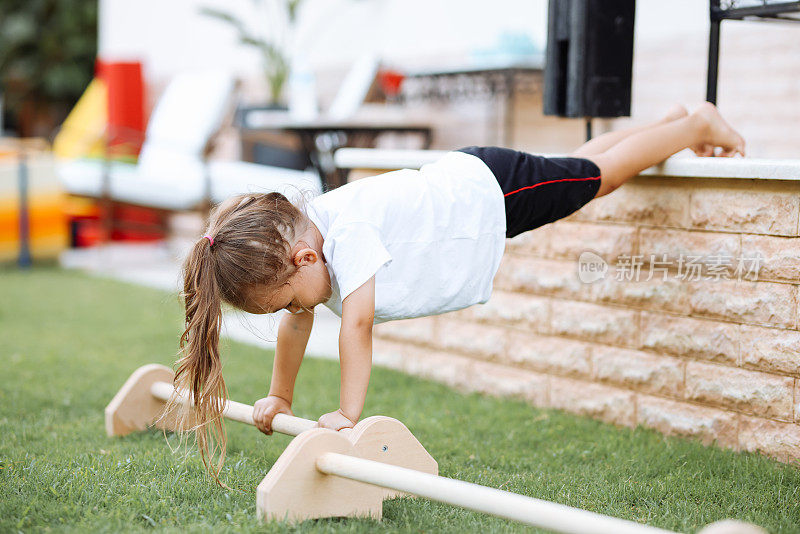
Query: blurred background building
[[760, 62]]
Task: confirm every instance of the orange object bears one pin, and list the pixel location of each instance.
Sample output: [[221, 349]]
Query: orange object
[[47, 224]]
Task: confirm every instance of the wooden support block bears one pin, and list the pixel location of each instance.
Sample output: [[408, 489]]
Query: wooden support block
[[389, 441], [294, 490], [134, 407], [141, 400], [732, 526]]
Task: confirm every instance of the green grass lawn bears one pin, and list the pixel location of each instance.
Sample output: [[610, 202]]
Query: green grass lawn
[[68, 342]]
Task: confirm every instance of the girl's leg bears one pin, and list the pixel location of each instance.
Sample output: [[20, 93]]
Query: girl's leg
[[603, 142], [650, 146]]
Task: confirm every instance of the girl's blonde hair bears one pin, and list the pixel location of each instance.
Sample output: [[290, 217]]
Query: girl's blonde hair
[[247, 244]]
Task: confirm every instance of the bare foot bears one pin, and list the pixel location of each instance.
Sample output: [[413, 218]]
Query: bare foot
[[678, 111], [718, 132]]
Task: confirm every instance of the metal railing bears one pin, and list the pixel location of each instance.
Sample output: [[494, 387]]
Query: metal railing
[[760, 10]]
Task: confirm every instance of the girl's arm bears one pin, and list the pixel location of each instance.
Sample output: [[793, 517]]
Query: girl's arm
[[293, 334], [355, 356]]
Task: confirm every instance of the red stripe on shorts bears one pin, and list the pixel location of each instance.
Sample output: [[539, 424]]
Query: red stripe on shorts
[[551, 182]]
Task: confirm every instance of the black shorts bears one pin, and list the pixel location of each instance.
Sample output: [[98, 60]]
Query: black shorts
[[538, 190]]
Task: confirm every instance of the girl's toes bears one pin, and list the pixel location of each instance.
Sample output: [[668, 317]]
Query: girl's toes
[[738, 148], [703, 151]]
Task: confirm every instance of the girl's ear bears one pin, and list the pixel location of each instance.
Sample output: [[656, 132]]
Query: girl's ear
[[305, 256]]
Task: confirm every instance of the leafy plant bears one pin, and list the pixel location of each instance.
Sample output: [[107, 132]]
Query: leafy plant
[[47, 54], [273, 49]]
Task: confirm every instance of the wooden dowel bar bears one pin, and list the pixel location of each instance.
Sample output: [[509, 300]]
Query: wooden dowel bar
[[535, 512], [243, 413]]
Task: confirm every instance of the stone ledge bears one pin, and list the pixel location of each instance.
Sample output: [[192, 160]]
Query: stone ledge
[[763, 169]]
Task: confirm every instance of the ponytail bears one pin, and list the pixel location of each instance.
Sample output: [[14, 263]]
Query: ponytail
[[200, 368], [247, 245]]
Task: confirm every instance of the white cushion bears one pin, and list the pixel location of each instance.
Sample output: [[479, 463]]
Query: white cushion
[[230, 178], [81, 176], [178, 185], [188, 112], [84, 177], [179, 182], [170, 173], [170, 170]]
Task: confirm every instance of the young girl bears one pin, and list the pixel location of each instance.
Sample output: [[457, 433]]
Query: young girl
[[403, 244]]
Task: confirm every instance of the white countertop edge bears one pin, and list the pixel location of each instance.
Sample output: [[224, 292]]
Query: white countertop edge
[[764, 169], [737, 167]]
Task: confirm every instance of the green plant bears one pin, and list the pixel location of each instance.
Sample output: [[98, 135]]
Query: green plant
[[47, 54], [273, 49]]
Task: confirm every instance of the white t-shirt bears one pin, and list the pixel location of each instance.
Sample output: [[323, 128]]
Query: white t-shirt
[[433, 238]]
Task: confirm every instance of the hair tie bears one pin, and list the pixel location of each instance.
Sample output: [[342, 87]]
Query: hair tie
[[210, 240]]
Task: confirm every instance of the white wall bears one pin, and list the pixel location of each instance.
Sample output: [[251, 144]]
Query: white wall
[[759, 62], [170, 35]]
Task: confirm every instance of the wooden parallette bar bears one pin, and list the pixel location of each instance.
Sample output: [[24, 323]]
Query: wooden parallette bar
[[323, 473], [320, 475], [141, 401], [243, 413]]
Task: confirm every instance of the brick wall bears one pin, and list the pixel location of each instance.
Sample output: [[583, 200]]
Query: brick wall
[[708, 352]]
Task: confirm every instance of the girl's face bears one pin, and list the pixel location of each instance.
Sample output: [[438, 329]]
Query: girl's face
[[308, 286]]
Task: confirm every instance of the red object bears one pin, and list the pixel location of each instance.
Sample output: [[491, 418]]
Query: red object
[[86, 231], [126, 127], [391, 81], [126, 104], [131, 223], [134, 223]]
